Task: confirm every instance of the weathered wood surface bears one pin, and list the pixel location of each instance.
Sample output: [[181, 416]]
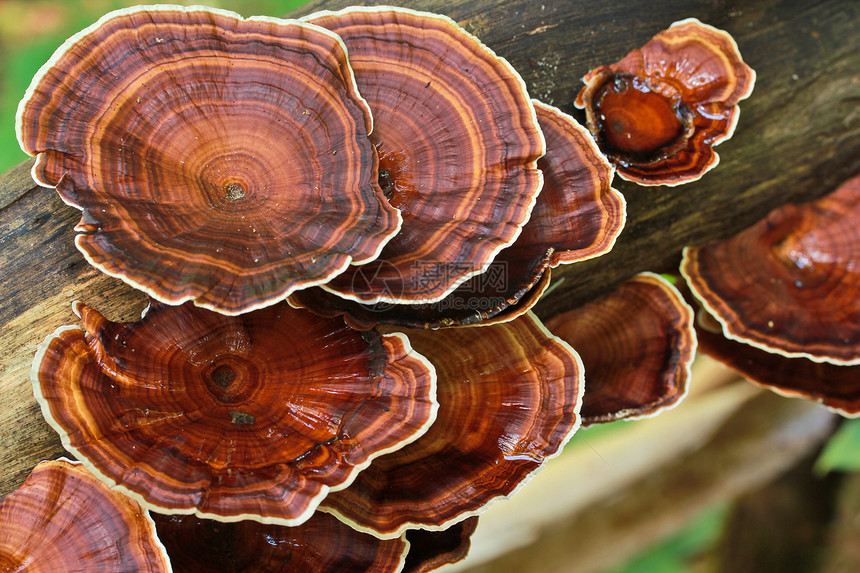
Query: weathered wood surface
[[798, 138]]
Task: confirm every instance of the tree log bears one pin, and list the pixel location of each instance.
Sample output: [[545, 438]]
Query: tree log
[[797, 139]]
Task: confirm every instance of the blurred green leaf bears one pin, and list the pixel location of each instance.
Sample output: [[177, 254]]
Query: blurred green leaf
[[680, 552], [842, 451]]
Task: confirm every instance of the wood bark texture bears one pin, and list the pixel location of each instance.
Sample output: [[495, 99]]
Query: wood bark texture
[[797, 139]]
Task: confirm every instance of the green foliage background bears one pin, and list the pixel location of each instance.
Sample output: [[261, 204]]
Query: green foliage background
[[31, 31]]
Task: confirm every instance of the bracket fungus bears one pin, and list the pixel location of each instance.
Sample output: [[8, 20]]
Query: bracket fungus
[[215, 159], [64, 519], [458, 144], [789, 284], [256, 416], [658, 112], [837, 387], [637, 345], [320, 545], [577, 216], [509, 399]]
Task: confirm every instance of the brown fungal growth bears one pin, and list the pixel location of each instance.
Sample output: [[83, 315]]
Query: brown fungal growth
[[64, 519], [480, 300], [255, 416], [458, 144], [658, 112], [834, 386], [790, 283], [577, 216], [216, 159], [637, 346], [509, 398], [430, 550], [322, 544]]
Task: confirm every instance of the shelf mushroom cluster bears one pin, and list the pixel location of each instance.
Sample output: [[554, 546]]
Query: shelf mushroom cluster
[[316, 209], [237, 170], [780, 302]]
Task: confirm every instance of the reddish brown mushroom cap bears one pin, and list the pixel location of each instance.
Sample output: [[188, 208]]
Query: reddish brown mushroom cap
[[216, 159], [836, 387], [320, 545], [577, 216], [64, 519], [249, 417], [458, 143], [657, 113], [637, 345], [790, 283], [509, 398]]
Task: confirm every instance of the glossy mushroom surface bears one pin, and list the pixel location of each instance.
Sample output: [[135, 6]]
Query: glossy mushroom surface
[[658, 112], [836, 387], [430, 550], [577, 216], [215, 159], [637, 346], [789, 284], [458, 144], [509, 399], [320, 545], [250, 417], [64, 519]]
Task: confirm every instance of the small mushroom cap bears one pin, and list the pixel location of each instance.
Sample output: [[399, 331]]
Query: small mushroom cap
[[430, 550], [249, 417], [577, 216], [789, 284], [836, 387], [64, 519], [637, 344], [509, 399], [657, 113], [458, 144], [216, 159], [320, 545]]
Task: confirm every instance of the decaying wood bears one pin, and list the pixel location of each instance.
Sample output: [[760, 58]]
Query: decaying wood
[[797, 138]]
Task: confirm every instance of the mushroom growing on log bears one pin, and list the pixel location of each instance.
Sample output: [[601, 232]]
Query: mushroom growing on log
[[789, 284], [509, 399], [256, 416], [577, 216], [458, 144], [781, 299], [215, 159], [637, 345], [659, 111]]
